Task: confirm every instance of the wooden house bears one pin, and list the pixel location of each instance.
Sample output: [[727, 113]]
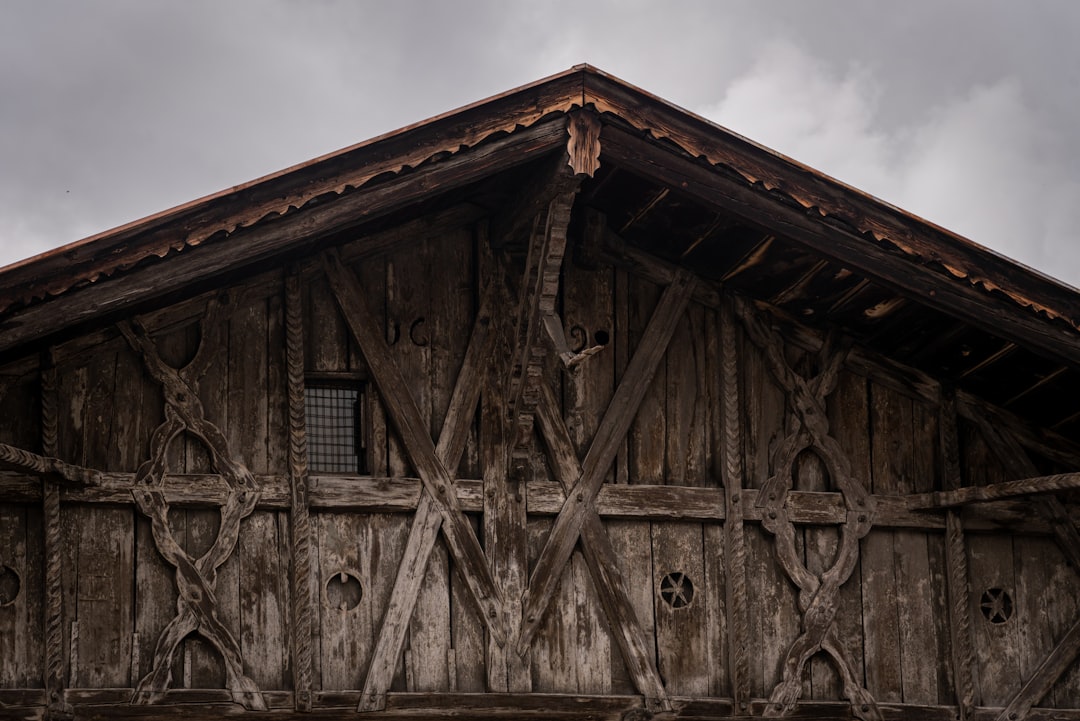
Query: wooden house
[[566, 404]]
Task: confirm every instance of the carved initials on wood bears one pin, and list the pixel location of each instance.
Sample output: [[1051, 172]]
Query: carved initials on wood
[[195, 578]]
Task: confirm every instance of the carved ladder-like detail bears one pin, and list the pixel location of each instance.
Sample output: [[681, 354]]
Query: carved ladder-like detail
[[818, 594], [195, 578]]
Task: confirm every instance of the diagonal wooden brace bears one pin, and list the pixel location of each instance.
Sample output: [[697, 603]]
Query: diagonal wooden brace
[[609, 436], [603, 564], [1064, 654], [438, 507]]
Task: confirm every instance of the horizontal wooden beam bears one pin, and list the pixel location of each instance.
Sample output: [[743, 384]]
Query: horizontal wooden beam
[[212, 704], [994, 491], [544, 498]]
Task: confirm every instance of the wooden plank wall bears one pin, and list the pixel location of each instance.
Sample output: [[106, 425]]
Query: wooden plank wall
[[119, 594], [21, 548]]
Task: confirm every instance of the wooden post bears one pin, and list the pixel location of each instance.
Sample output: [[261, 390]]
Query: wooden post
[[734, 537], [300, 525], [956, 578], [58, 708]]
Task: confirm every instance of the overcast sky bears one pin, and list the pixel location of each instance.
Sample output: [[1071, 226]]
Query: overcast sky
[[966, 112]]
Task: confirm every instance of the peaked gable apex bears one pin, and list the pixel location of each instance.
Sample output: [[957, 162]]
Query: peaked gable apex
[[288, 211]]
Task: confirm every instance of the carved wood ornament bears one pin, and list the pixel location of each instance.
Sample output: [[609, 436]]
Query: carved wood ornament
[[195, 578], [818, 594]]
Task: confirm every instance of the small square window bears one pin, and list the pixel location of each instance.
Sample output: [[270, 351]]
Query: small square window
[[335, 427]]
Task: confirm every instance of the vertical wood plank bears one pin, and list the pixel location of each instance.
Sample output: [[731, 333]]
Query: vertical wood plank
[[681, 632], [990, 565], [1034, 559], [262, 610], [104, 595], [277, 408], [504, 522], [594, 644], [897, 443], [848, 424], [1062, 607], [389, 533], [647, 438], [346, 630], [687, 400], [934, 637], [22, 609], [413, 304], [99, 411], [452, 313], [633, 539], [468, 673], [554, 648], [621, 355], [717, 637], [881, 622], [135, 415], [328, 346], [155, 592], [774, 618], [247, 430]]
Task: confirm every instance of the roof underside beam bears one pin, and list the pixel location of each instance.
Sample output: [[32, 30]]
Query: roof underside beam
[[755, 205], [40, 322]]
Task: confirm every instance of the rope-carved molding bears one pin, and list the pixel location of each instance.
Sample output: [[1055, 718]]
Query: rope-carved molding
[[818, 593], [196, 579], [47, 465], [993, 492]]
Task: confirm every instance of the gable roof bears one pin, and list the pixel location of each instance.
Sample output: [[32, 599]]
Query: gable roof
[[671, 183]]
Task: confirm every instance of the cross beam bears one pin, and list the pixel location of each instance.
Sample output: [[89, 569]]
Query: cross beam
[[603, 563], [439, 506], [579, 504]]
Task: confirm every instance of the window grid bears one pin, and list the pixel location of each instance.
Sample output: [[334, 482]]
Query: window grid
[[334, 428]]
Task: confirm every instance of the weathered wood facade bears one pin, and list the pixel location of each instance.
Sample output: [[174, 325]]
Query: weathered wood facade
[[649, 422]]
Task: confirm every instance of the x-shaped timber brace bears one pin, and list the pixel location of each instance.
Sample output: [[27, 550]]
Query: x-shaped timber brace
[[582, 481], [529, 397]]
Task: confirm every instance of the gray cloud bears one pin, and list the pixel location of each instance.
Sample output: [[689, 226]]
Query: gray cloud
[[962, 111]]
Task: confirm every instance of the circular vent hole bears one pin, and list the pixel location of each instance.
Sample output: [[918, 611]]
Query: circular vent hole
[[343, 591], [9, 585], [996, 605], [677, 590]]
